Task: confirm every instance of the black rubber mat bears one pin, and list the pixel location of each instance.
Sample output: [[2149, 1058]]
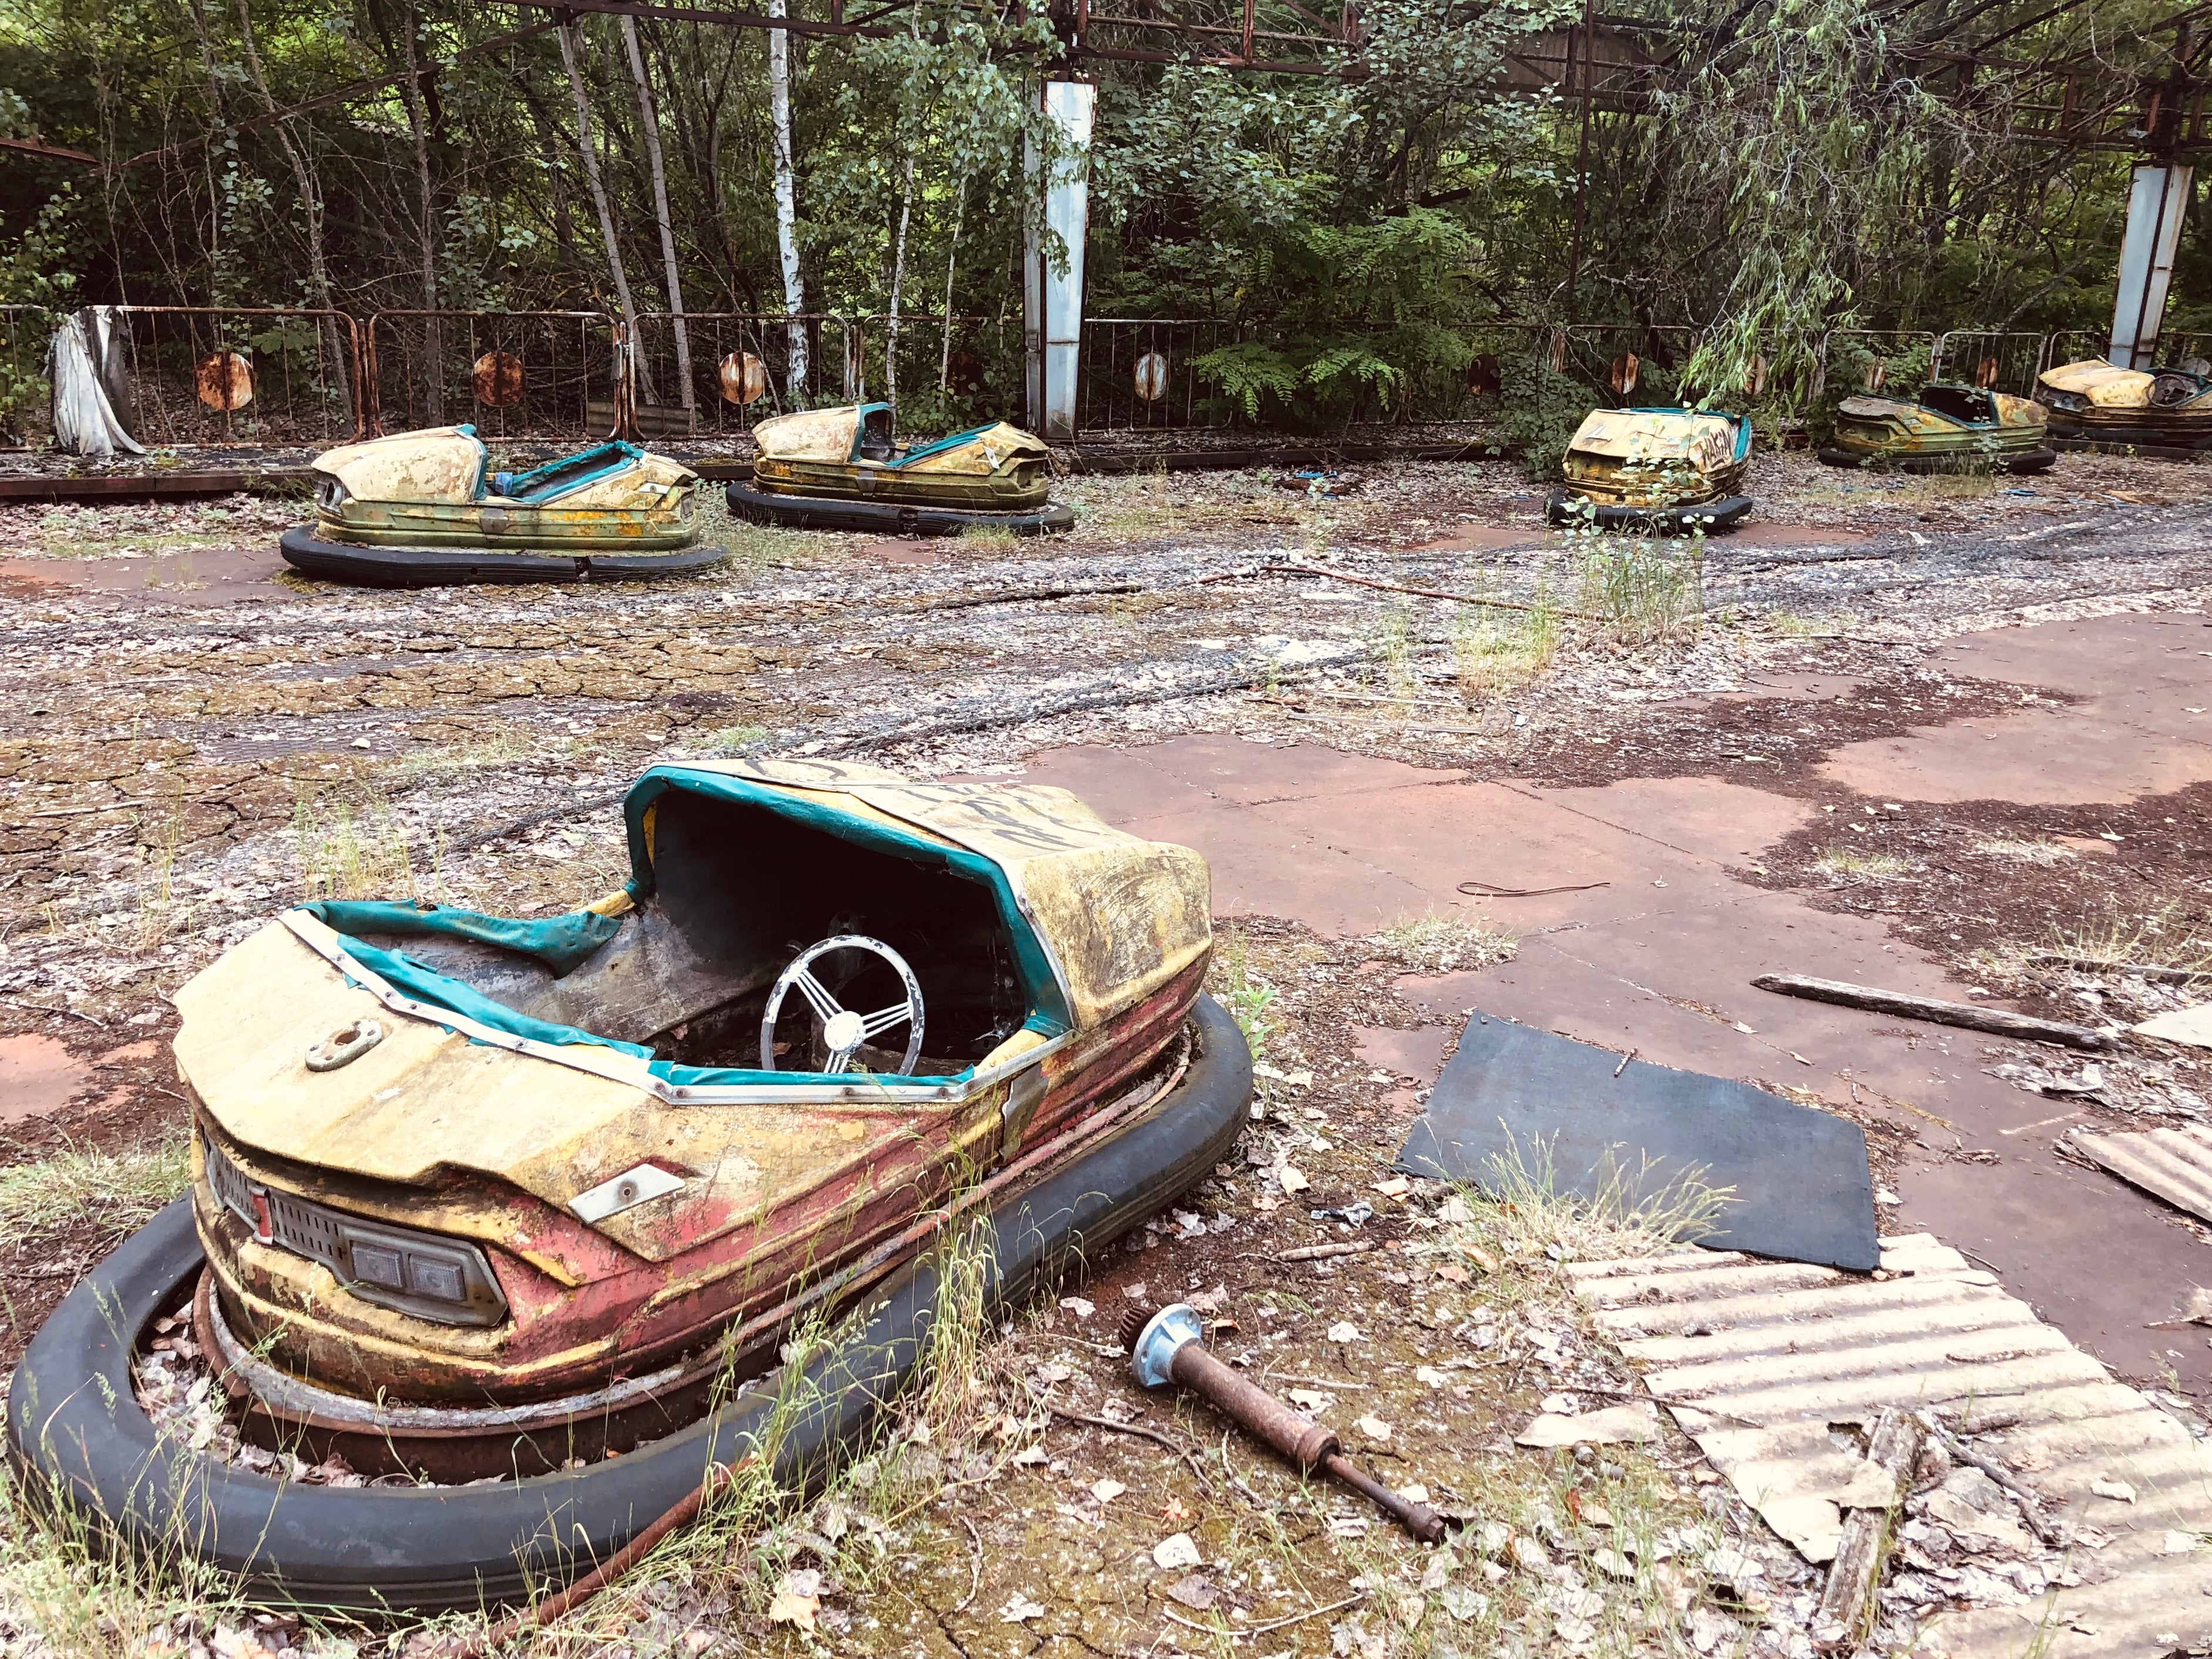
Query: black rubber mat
[[1802, 1189]]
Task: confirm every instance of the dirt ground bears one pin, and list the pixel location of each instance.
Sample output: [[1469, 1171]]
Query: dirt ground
[[1920, 729]]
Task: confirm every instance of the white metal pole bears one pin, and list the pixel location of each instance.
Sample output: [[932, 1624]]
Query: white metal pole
[[2158, 197]]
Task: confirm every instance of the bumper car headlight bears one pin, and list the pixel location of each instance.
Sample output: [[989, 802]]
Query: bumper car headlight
[[331, 495], [446, 1281]]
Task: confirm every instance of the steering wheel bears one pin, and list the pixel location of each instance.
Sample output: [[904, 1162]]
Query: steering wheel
[[842, 1030]]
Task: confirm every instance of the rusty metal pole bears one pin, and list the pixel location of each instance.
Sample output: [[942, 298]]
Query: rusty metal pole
[[1581, 149], [1169, 1348]]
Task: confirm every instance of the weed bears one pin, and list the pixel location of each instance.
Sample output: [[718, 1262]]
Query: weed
[[731, 737], [1444, 944], [2167, 937], [1496, 652], [2040, 851], [116, 1189], [1642, 589], [351, 849], [1248, 996], [1628, 1211], [1849, 861]]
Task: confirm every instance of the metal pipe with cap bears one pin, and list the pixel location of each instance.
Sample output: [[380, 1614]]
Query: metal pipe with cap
[[1171, 1347]]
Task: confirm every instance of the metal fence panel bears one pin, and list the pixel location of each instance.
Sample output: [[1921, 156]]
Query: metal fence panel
[[1996, 360], [25, 396], [213, 376], [741, 369], [541, 374], [1141, 373]]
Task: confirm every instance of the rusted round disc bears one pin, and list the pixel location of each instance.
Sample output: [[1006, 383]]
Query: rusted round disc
[[963, 373], [497, 377], [1151, 377], [224, 380], [744, 377]]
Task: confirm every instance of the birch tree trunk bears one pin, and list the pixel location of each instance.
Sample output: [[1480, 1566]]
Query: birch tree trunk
[[898, 281], [434, 367], [649, 118], [319, 273], [787, 202], [951, 258], [633, 365]]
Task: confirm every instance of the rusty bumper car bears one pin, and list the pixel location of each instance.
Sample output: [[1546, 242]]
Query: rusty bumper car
[[417, 509], [1946, 428], [536, 1204], [840, 469], [2093, 402], [1655, 469]]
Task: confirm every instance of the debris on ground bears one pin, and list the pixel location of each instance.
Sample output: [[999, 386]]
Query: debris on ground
[[2174, 1164], [1721, 1161]]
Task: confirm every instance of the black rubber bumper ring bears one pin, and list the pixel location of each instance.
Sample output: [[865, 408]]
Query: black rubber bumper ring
[[460, 566], [886, 517], [74, 1421]]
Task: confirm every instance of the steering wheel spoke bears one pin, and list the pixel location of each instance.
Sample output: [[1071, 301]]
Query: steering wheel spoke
[[826, 1007], [842, 1030], [884, 1019]]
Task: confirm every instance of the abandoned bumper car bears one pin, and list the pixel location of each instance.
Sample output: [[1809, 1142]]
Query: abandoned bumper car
[[536, 1204], [417, 509], [1658, 469], [2094, 402], [839, 469], [1946, 428]]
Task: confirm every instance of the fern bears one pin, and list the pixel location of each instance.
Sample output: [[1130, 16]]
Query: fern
[[1247, 373]]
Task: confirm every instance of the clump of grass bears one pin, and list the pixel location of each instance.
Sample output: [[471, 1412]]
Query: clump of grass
[[351, 848], [1500, 652], [1444, 944], [1393, 649], [157, 897], [78, 1183], [730, 738], [502, 747], [2167, 937], [2042, 850], [1629, 1210], [1642, 589], [1790, 625], [1838, 860]]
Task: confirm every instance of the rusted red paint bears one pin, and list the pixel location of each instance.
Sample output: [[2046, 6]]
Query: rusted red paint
[[619, 1314]]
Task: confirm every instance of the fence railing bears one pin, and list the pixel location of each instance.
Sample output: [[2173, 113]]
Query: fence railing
[[24, 393], [1996, 360], [740, 365], [247, 377], [513, 374]]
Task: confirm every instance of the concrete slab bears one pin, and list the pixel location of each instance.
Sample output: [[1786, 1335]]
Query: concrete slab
[[2142, 726], [1658, 958], [200, 576], [38, 1075]]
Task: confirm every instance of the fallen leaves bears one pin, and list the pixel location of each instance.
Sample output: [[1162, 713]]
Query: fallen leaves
[[1175, 1554]]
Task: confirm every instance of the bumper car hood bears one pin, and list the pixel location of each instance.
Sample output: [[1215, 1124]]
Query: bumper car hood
[[534, 1055]]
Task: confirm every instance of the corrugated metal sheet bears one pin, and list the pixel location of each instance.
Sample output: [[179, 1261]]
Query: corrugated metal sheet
[[1758, 1360], [2174, 1164]]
